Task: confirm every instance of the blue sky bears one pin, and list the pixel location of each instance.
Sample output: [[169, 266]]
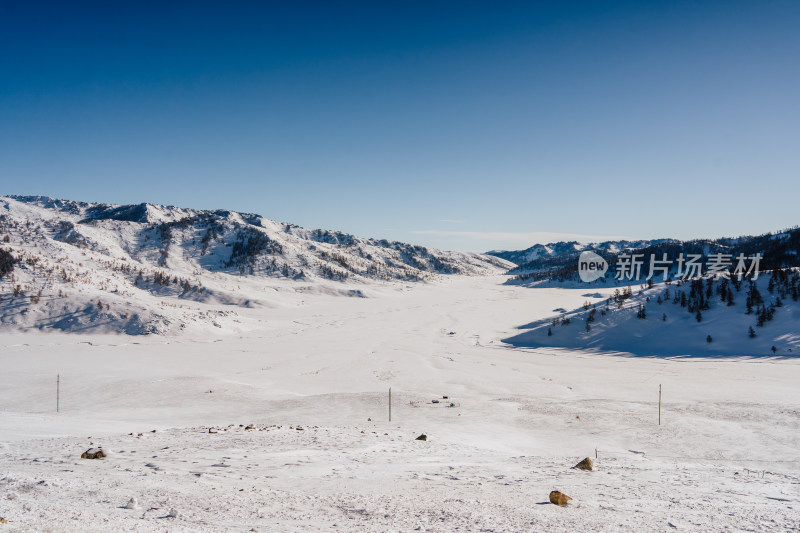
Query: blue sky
[[460, 125]]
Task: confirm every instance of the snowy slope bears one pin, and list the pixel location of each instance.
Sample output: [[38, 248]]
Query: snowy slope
[[155, 269], [663, 321]]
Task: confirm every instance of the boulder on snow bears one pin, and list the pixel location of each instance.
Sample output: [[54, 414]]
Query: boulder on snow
[[93, 453], [559, 498], [422, 437], [586, 464], [3, 520]]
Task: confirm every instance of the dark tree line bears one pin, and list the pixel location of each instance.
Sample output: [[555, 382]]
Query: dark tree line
[[6, 263]]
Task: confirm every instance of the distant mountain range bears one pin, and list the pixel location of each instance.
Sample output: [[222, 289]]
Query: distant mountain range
[[521, 258], [558, 262]]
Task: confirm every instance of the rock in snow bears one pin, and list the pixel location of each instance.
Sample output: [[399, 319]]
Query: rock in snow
[[559, 498], [93, 453]]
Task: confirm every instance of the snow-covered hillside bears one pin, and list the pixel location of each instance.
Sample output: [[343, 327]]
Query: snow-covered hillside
[[698, 318], [155, 269]]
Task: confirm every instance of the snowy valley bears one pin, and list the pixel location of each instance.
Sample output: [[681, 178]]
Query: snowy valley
[[236, 373]]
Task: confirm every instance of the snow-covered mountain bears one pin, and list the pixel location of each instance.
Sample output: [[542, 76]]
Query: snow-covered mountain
[[558, 262], [569, 248], [697, 318], [151, 268]]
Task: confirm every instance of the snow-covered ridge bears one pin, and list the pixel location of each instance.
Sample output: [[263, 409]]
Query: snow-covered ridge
[[151, 268], [695, 318], [570, 248], [558, 262]]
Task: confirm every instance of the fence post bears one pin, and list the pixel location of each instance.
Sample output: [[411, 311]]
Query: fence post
[[659, 404]]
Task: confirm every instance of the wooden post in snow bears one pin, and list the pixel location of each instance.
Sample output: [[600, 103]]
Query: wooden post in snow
[[659, 404]]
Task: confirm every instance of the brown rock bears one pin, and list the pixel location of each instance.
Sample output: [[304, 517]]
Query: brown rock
[[586, 464], [93, 453], [3, 520], [422, 437], [559, 498]]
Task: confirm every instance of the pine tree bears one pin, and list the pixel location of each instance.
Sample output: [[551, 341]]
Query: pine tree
[[6, 262], [699, 316], [751, 332]]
